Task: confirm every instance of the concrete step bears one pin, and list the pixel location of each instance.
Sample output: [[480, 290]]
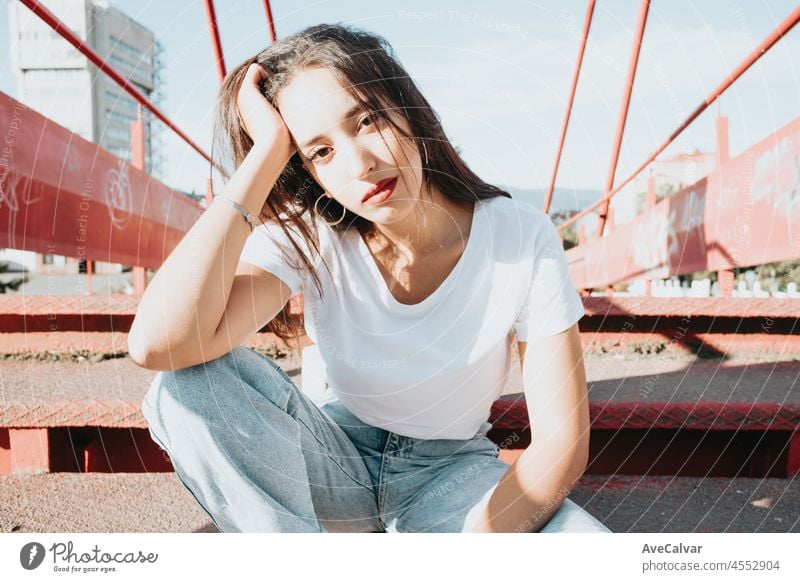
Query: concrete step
[[753, 392], [158, 502], [755, 400], [763, 393], [106, 393], [717, 327], [98, 502]]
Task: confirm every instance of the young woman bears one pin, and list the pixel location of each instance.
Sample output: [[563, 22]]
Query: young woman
[[416, 275]]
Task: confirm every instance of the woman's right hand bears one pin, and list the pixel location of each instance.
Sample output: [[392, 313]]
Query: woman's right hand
[[257, 116]]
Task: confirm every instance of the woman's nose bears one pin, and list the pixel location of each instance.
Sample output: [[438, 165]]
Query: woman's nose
[[361, 161]]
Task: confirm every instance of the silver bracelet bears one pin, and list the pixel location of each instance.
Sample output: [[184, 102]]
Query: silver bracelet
[[252, 220]]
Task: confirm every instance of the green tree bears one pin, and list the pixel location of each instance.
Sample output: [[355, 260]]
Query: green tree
[[13, 284]]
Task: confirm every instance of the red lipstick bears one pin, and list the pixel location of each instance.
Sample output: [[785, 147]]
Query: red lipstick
[[381, 192]]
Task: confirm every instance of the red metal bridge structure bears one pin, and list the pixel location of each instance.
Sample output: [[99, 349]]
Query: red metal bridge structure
[[695, 404]]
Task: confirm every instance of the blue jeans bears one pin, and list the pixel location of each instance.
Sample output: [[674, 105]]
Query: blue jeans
[[259, 456]]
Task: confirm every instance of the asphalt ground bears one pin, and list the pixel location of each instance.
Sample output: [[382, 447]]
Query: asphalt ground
[[158, 502]]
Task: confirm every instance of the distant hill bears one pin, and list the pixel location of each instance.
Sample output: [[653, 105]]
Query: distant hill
[[563, 198]]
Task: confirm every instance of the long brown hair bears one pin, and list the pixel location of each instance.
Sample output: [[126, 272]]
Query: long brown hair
[[365, 64]]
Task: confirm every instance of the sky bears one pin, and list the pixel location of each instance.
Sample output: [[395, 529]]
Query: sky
[[499, 75]]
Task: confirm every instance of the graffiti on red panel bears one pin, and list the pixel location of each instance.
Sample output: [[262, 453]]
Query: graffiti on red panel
[[118, 195], [650, 245], [746, 212], [777, 177]]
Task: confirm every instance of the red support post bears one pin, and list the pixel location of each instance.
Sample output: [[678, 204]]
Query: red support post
[[723, 151], [30, 450], [788, 23], [581, 234], [216, 44], [793, 456], [270, 21], [726, 280], [650, 201], [137, 161], [587, 23], [644, 8], [650, 196], [219, 58], [89, 276]]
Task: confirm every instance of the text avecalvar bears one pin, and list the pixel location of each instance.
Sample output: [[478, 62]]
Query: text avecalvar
[[671, 549]]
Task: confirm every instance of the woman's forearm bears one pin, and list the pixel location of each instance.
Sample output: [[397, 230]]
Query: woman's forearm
[[532, 490], [186, 300]]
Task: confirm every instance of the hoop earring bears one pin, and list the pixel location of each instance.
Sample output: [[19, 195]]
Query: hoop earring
[[425, 149], [316, 209]]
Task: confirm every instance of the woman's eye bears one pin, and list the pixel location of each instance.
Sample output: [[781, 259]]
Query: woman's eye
[[371, 117], [316, 154], [368, 119]]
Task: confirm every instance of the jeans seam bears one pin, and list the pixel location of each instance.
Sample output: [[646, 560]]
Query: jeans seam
[[383, 493], [335, 462]]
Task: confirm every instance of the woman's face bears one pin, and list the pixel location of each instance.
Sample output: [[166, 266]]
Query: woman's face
[[343, 148]]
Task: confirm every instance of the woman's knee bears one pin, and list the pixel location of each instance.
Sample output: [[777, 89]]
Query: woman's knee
[[213, 392]]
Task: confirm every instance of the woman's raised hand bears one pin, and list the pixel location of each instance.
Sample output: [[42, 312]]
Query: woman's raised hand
[[257, 116]]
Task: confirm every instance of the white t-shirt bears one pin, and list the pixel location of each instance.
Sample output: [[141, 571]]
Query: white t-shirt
[[430, 370]]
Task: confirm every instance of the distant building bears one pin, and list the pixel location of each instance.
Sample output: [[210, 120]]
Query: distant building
[[673, 174], [60, 83], [676, 172]]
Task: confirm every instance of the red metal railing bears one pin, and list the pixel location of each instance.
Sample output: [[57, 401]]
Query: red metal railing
[[216, 44], [587, 23], [270, 22], [623, 113], [788, 23]]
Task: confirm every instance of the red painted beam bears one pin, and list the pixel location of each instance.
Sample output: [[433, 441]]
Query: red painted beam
[[793, 461], [122, 451], [64, 313], [61, 194], [5, 451], [513, 415], [692, 306]]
